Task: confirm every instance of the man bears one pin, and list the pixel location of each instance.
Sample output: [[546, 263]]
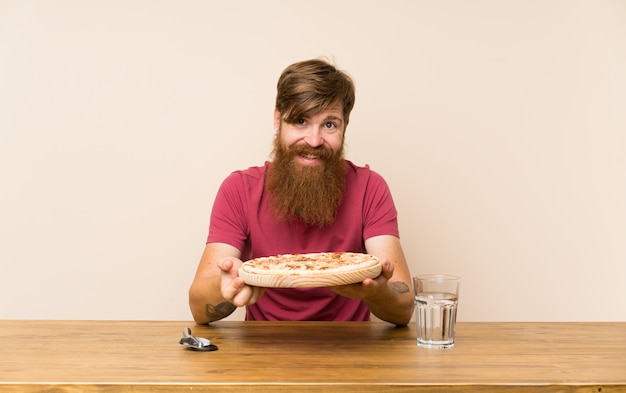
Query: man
[[308, 199]]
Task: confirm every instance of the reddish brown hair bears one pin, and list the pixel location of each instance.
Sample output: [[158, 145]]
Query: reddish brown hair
[[311, 86]]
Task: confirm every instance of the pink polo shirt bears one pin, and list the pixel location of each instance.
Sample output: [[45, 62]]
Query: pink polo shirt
[[241, 218]]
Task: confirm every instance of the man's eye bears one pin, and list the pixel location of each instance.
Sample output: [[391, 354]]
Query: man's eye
[[300, 121], [330, 125]]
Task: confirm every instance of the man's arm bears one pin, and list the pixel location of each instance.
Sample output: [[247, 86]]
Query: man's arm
[[393, 301], [205, 296]]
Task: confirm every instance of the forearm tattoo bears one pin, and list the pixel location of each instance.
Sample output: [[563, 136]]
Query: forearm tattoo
[[220, 311], [400, 287]]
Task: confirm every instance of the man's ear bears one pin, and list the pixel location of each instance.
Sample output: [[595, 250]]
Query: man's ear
[[276, 119]]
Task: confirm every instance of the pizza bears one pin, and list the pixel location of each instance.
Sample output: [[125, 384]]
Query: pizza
[[322, 269]]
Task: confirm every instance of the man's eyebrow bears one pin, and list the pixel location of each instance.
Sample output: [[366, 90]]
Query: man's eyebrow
[[333, 117]]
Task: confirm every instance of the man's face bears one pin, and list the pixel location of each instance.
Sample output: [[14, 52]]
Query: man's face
[[307, 176], [312, 135]]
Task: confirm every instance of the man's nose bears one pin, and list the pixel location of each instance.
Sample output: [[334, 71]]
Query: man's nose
[[314, 137]]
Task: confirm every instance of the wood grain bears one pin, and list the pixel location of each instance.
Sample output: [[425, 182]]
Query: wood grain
[[321, 279], [144, 356]]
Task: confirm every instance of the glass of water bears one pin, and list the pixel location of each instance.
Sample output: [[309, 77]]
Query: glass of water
[[436, 300]]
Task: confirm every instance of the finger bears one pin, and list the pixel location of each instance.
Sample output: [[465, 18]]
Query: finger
[[387, 270], [352, 291], [257, 292], [249, 295], [243, 296], [230, 288]]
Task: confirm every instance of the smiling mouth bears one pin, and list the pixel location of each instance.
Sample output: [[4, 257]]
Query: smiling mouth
[[309, 159], [310, 155]]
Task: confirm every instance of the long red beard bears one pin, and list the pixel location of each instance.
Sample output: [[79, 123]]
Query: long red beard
[[311, 194]]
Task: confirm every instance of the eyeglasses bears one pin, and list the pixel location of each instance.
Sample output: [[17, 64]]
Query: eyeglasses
[[196, 343]]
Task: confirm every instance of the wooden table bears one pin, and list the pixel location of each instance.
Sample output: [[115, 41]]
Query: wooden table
[[144, 356]]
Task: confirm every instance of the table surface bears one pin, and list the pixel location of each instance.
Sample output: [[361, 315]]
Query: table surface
[[145, 356]]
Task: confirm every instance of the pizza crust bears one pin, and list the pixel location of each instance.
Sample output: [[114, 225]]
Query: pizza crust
[[271, 272]]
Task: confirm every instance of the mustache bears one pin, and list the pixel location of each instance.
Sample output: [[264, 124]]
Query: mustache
[[305, 150]]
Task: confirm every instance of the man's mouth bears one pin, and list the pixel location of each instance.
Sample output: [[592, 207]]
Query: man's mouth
[[309, 159]]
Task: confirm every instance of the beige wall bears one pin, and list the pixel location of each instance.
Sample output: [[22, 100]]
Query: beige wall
[[499, 125]]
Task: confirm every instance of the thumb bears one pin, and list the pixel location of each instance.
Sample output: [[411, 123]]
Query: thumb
[[225, 264]]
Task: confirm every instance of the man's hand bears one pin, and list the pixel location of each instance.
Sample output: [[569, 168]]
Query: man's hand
[[368, 287], [232, 286]]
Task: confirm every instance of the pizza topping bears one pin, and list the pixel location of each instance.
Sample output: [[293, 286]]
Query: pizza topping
[[313, 262]]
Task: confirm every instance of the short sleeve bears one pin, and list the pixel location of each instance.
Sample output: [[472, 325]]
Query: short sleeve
[[380, 216], [228, 217]]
